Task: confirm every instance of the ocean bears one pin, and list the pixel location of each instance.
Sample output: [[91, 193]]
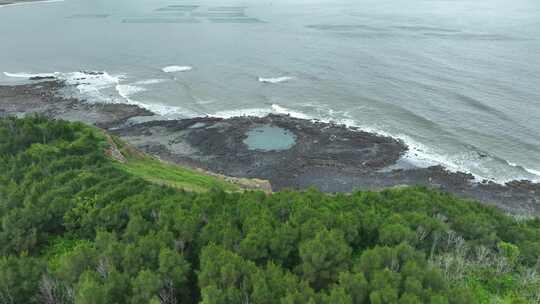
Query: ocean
[[457, 80]]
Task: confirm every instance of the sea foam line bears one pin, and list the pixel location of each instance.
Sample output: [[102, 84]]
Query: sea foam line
[[275, 80], [529, 170], [31, 2], [150, 81], [532, 171], [176, 68], [126, 91], [90, 86]]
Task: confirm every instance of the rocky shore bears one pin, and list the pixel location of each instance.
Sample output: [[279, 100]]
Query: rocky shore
[[43, 97], [332, 158]]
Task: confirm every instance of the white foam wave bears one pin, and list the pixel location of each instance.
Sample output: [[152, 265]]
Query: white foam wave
[[126, 91], [31, 2], [92, 84], [149, 81], [204, 101], [89, 84], [528, 170], [276, 79], [532, 171], [255, 112], [176, 68], [262, 112], [96, 87], [277, 109]]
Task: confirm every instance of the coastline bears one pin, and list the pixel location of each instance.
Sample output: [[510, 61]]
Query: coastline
[[330, 157]]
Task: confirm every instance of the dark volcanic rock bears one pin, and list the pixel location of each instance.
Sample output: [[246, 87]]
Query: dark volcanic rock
[[43, 98], [332, 158], [218, 145], [39, 78]]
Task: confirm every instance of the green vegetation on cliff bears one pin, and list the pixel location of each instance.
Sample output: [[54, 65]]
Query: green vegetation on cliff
[[78, 227]]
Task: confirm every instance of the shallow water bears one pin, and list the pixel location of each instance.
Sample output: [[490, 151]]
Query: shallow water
[[270, 138], [457, 80]]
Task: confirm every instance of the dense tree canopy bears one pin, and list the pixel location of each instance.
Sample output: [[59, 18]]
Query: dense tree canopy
[[74, 228]]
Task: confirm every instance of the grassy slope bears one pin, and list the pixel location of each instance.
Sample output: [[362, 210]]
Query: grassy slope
[[161, 173]]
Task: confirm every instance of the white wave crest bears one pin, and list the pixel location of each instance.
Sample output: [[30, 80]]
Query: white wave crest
[[176, 68], [255, 112], [126, 91], [89, 84], [149, 81], [96, 87], [277, 109], [276, 79], [92, 84], [528, 170], [30, 2], [273, 109], [532, 171]]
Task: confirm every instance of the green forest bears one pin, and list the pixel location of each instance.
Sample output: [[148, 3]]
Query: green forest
[[78, 226]]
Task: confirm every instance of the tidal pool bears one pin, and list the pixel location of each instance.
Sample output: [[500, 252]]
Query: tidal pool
[[269, 138]]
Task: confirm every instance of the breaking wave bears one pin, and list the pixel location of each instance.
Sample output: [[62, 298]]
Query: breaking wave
[[126, 92], [89, 85], [176, 68], [100, 87], [529, 170], [260, 112], [276, 79], [30, 2], [150, 81]]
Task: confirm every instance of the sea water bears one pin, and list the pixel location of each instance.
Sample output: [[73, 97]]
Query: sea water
[[458, 81]]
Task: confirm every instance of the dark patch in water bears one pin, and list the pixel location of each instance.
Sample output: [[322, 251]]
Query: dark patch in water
[[160, 20], [367, 35], [236, 20], [219, 14], [425, 29], [178, 8], [88, 16], [481, 107], [471, 36], [227, 8], [344, 27]]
